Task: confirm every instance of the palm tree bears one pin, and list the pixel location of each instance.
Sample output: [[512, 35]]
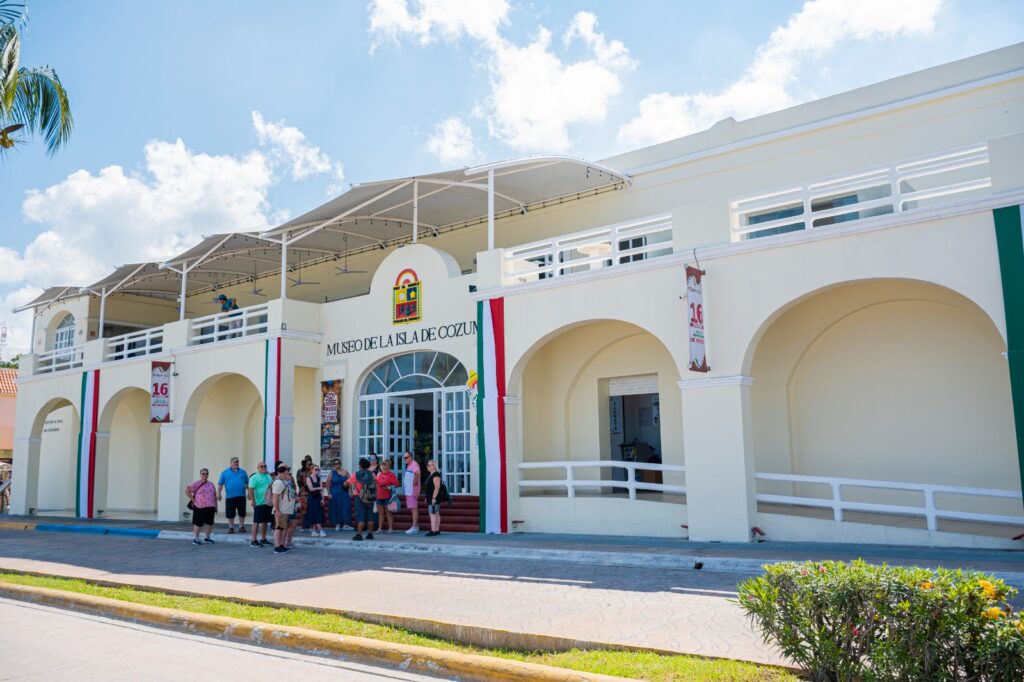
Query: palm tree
[[31, 99]]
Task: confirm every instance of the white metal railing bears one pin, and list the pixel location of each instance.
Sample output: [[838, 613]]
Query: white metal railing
[[571, 483], [884, 190], [929, 510], [229, 325], [135, 344], [60, 359], [588, 250]]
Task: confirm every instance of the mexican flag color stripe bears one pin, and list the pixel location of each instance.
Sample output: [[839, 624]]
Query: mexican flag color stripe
[[490, 415], [1010, 243], [86, 479]]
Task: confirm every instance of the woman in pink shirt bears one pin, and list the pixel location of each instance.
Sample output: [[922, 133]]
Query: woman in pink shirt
[[202, 495]]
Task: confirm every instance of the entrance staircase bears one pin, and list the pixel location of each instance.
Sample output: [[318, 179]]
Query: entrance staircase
[[463, 516]]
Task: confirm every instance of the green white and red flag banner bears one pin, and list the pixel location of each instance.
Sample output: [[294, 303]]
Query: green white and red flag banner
[[1009, 224], [272, 402], [490, 415], [86, 478]]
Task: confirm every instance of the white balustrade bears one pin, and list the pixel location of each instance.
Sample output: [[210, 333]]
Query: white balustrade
[[60, 359], [929, 510], [135, 344], [928, 181], [229, 325], [572, 483], [601, 247]]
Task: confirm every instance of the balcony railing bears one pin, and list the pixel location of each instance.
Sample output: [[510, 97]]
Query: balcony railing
[[602, 247], [134, 345], [572, 484], [898, 188], [929, 509], [229, 325], [60, 359]]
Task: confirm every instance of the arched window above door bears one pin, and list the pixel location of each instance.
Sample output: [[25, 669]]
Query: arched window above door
[[418, 371], [64, 334]]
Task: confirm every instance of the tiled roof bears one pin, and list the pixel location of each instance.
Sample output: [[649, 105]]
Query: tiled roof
[[7, 385]]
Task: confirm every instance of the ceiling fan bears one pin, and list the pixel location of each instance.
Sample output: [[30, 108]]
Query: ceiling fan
[[343, 270], [298, 281], [256, 291]]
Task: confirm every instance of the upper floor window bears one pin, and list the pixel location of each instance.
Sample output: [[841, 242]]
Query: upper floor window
[[64, 335]]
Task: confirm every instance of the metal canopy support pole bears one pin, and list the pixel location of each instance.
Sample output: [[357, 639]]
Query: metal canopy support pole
[[415, 210], [284, 266], [184, 290], [490, 209], [103, 310]]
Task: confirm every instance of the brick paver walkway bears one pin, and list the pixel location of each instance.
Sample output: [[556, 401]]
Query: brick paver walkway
[[683, 611]]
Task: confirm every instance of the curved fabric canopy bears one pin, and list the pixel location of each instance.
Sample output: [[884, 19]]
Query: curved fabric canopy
[[378, 213]]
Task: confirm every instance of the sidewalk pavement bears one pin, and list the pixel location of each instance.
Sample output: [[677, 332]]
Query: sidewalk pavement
[[636, 592]]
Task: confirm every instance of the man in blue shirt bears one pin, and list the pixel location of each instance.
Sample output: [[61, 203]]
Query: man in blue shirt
[[236, 481]]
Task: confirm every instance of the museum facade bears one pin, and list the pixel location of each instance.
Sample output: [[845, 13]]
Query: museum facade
[[804, 326]]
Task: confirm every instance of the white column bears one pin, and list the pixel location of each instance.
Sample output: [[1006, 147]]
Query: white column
[[177, 452], [103, 310], [415, 210], [184, 290], [490, 209], [720, 492], [284, 266], [25, 483]]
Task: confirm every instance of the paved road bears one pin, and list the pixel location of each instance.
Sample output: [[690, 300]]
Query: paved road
[[684, 611], [43, 643]]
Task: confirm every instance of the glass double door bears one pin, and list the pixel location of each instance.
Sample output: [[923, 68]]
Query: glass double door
[[388, 428]]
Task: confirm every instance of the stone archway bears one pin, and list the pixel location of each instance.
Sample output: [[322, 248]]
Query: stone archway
[[48, 477], [127, 456]]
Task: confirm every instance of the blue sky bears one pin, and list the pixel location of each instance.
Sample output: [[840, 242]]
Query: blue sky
[[276, 105]]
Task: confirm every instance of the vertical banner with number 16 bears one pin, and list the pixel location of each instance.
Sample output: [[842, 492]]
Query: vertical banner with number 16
[[160, 393], [695, 309]]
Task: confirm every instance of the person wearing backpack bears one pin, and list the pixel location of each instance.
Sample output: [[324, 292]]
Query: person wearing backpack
[[262, 500], [436, 493], [364, 487]]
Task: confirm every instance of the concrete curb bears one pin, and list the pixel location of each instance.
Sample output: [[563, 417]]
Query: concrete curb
[[17, 525], [476, 635], [407, 657]]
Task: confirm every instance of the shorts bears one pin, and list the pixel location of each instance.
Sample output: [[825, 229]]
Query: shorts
[[233, 506], [203, 516], [411, 502], [281, 521], [295, 517], [263, 513], [364, 511], [433, 509], [382, 505]]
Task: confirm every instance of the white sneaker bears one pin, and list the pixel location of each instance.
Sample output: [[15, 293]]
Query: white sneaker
[[412, 531], [337, 527], [323, 534]]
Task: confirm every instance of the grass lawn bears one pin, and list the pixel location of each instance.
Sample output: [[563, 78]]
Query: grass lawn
[[636, 665]]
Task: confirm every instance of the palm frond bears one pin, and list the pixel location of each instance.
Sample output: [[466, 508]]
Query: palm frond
[[13, 12], [41, 103], [10, 50]]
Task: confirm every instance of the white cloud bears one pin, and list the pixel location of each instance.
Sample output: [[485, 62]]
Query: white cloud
[[288, 145], [535, 96], [337, 185], [19, 326], [767, 84], [452, 143], [391, 20]]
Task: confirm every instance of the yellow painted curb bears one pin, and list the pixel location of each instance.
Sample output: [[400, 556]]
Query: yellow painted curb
[[419, 658], [18, 525]]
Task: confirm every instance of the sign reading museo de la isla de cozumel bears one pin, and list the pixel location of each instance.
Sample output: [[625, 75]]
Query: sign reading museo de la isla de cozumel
[[160, 393], [407, 306], [407, 301], [695, 308]]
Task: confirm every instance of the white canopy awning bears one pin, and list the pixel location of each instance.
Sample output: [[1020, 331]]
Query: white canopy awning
[[48, 297], [376, 214], [139, 279]]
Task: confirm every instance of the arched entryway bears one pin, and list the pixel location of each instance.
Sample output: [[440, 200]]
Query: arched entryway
[[600, 402], [418, 402], [127, 457], [892, 381], [227, 414], [51, 484]]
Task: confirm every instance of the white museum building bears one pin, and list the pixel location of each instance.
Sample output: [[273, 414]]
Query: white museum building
[[809, 323]]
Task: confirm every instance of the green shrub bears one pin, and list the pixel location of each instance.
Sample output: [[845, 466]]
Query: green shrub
[[855, 621]]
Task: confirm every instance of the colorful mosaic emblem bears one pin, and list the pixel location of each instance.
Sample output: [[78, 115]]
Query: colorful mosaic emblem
[[408, 298]]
